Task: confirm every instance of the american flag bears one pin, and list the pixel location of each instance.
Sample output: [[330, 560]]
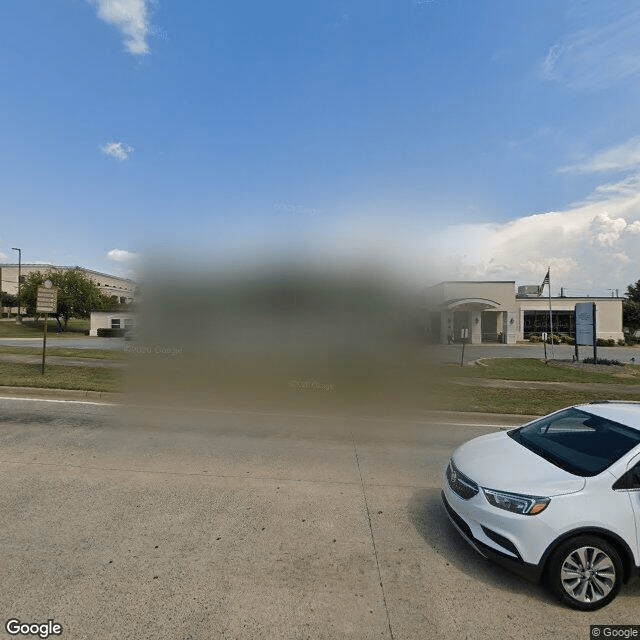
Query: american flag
[[545, 281]]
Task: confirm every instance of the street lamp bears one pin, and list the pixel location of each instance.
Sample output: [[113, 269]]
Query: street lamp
[[19, 318]]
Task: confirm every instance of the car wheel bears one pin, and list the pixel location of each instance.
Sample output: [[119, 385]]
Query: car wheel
[[585, 573]]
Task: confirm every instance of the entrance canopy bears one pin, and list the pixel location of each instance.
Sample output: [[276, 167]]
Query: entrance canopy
[[470, 304]]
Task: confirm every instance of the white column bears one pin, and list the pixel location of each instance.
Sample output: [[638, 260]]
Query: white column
[[510, 326], [476, 327], [446, 326]]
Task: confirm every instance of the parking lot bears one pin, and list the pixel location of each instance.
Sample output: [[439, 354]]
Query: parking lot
[[129, 523]]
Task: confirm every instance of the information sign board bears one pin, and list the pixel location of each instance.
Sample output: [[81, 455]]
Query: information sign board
[[47, 301], [585, 322]]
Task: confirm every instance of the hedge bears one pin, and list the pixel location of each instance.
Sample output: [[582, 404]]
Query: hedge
[[111, 333]]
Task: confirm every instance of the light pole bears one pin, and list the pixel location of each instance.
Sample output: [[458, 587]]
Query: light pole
[[19, 318]]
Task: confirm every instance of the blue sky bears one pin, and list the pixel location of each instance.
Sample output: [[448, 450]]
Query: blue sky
[[490, 136]]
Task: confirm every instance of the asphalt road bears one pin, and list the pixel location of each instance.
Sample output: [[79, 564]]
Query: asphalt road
[[130, 523]]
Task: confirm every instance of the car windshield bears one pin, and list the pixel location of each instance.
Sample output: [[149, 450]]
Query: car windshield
[[577, 441]]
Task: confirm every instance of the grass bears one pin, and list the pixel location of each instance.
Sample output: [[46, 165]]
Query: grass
[[515, 401], [29, 329], [60, 377], [358, 386], [537, 370], [65, 352]]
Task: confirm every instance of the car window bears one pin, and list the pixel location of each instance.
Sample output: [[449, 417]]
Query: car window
[[571, 423], [577, 441]]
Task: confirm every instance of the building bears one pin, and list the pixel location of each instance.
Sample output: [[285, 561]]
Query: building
[[117, 319], [492, 311], [122, 288]]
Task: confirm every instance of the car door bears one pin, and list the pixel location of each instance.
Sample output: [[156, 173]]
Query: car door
[[630, 482], [635, 494]]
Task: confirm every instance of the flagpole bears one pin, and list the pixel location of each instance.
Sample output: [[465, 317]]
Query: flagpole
[[553, 355]]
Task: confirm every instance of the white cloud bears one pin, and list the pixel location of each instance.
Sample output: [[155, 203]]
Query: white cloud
[[3, 256], [622, 257], [131, 17], [607, 230], [620, 158], [600, 48], [117, 150], [592, 244], [122, 256], [548, 66]]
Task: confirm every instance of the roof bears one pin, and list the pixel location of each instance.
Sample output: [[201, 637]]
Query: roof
[[41, 265], [625, 412]]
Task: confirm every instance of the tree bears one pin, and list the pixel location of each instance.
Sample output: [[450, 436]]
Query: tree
[[8, 300], [78, 296], [631, 308]]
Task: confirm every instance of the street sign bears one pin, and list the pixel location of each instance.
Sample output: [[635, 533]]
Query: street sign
[[47, 301]]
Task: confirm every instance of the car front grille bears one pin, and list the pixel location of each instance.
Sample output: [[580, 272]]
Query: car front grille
[[464, 486]]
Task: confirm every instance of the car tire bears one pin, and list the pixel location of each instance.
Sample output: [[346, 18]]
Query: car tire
[[585, 573]]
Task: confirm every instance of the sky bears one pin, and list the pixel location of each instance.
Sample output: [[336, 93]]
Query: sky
[[467, 139]]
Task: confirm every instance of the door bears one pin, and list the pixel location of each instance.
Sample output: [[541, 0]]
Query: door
[[630, 482], [634, 494]]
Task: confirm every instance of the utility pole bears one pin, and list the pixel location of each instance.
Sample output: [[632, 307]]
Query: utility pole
[[19, 318]]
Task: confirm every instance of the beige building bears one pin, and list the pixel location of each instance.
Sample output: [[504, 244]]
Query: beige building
[[112, 320], [123, 288], [492, 311]]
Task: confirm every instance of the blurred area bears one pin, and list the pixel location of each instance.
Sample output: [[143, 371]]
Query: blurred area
[[281, 333]]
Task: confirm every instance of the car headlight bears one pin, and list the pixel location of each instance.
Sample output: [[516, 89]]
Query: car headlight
[[516, 502]]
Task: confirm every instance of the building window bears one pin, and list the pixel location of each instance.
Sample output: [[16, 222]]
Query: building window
[[535, 322], [115, 323], [128, 323]]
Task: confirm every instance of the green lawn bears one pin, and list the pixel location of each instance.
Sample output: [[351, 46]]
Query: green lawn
[[359, 386], [29, 329], [60, 377], [516, 401], [537, 370]]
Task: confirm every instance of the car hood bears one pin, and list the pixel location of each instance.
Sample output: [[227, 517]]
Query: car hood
[[496, 461]]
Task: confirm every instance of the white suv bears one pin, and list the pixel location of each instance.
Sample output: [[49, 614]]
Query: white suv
[[558, 498]]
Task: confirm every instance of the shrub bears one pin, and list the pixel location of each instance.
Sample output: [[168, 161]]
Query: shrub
[[602, 361], [533, 338], [621, 343], [111, 333]]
